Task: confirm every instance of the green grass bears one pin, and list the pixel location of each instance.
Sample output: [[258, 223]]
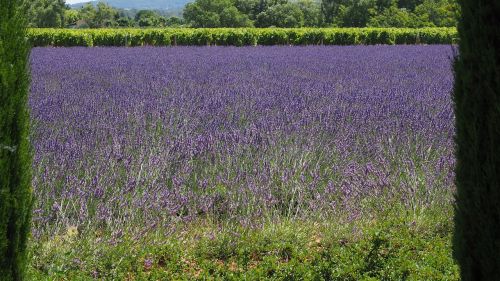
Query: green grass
[[393, 244]]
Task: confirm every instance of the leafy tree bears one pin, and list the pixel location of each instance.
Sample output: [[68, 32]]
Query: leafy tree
[[476, 243], [214, 13], [124, 20], [231, 17], [311, 11], [102, 15], [71, 17], [105, 15], [174, 21], [330, 10], [389, 13], [46, 13], [194, 15], [409, 4], [88, 14], [394, 17], [148, 18], [205, 13], [281, 15], [384, 4], [358, 13], [438, 13], [15, 156], [251, 8], [266, 4]]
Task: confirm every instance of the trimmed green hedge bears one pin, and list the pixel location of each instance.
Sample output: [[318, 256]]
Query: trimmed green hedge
[[240, 36]]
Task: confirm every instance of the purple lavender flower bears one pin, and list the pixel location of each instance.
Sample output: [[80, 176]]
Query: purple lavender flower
[[148, 136]]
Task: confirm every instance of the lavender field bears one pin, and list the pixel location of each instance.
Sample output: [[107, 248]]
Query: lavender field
[[255, 163], [137, 139]]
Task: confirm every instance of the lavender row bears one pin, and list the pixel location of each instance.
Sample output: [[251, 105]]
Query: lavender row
[[148, 136]]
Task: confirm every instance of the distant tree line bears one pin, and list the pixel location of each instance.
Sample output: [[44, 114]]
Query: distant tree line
[[336, 13], [55, 13], [255, 13]]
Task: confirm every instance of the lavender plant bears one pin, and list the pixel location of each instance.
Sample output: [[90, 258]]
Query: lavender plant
[[141, 138]]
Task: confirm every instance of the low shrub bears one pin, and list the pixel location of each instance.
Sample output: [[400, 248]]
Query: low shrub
[[240, 36]]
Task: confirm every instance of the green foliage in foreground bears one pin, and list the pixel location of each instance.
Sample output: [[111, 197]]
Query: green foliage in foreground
[[241, 36], [477, 110], [15, 156], [393, 245]]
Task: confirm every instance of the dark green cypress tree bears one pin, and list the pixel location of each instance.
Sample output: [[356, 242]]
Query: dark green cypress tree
[[477, 110], [15, 155]]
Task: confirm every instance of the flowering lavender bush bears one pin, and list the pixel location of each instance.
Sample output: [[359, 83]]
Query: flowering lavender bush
[[143, 137]]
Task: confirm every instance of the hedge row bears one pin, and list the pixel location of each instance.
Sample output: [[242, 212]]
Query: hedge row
[[241, 37]]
